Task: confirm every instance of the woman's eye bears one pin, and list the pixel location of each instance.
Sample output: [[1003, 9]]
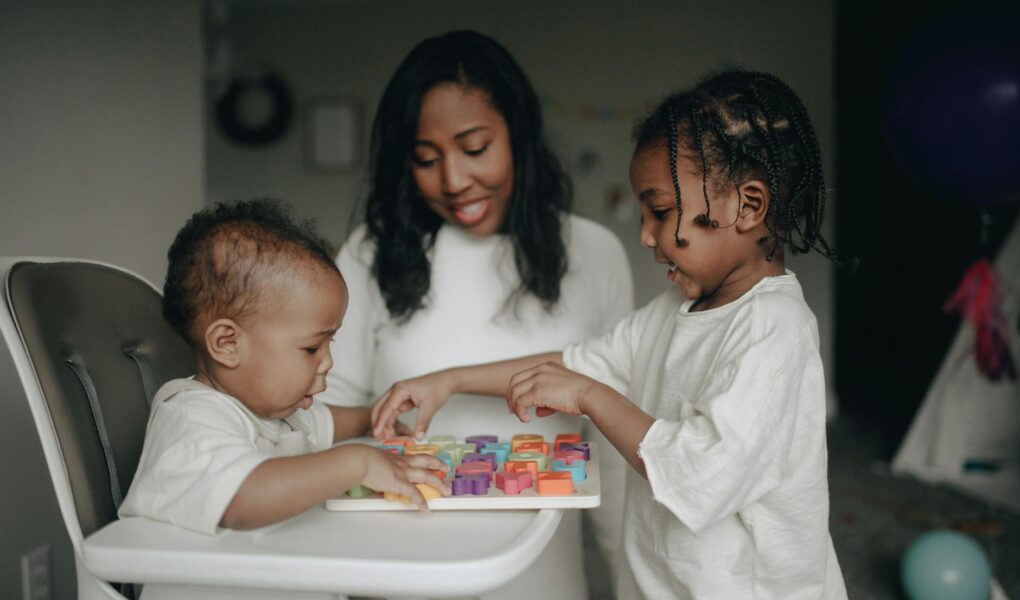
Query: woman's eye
[[660, 214], [423, 163], [477, 151]]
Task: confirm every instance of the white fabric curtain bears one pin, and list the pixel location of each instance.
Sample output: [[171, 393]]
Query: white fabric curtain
[[967, 419]]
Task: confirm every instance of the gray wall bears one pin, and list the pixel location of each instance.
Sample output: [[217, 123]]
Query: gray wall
[[101, 156], [596, 64]]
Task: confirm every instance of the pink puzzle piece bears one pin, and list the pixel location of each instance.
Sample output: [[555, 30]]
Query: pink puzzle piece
[[568, 456], [513, 483]]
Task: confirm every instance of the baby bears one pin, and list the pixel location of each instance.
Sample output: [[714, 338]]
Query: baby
[[244, 443]]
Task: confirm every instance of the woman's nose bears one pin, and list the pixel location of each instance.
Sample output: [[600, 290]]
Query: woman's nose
[[455, 177]]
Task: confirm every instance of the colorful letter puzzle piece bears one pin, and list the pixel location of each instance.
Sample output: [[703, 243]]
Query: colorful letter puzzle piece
[[482, 467], [513, 483], [471, 484]]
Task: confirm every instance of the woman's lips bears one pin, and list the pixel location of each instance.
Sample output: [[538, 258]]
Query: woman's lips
[[471, 213]]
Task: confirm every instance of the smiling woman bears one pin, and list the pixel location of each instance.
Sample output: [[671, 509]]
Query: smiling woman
[[469, 254], [462, 164]]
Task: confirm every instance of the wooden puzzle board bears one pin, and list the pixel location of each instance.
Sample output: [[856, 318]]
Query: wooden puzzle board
[[586, 494]]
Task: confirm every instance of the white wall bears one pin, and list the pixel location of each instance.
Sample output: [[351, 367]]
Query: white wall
[[101, 156], [579, 54]]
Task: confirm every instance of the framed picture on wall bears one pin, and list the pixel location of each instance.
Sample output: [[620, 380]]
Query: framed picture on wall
[[333, 135]]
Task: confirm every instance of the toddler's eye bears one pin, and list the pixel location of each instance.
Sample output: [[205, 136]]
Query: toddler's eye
[[477, 152], [311, 350]]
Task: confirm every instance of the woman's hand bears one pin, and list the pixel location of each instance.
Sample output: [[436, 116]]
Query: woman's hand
[[549, 387], [427, 393], [386, 472]]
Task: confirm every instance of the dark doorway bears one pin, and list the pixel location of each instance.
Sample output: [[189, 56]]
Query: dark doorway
[[912, 244]]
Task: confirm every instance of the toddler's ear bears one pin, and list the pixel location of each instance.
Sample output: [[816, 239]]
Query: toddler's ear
[[223, 342], [754, 201]]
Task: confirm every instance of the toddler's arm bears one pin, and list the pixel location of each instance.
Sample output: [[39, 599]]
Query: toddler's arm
[[429, 393], [555, 387], [280, 488]]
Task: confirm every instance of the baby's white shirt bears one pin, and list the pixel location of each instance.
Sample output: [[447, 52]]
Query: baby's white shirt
[[201, 444]]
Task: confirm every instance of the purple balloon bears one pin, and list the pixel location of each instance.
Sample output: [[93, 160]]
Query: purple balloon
[[953, 110]]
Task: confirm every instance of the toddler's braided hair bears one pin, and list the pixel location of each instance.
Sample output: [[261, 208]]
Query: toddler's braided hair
[[747, 125]]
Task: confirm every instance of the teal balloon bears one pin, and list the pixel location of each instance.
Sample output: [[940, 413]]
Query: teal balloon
[[945, 565]]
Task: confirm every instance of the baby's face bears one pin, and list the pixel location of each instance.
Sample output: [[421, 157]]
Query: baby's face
[[286, 353]]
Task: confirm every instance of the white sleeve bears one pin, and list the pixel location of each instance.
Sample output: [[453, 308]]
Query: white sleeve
[[349, 382], [197, 454], [732, 451], [609, 358]]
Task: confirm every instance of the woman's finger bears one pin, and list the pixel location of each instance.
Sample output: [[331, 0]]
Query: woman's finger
[[421, 424], [393, 408], [378, 405]]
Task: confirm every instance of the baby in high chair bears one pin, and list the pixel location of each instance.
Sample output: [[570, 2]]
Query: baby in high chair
[[243, 443]]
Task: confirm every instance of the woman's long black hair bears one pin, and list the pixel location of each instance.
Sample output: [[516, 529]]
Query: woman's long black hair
[[400, 224]]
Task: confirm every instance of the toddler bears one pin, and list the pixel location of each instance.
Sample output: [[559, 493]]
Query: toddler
[[714, 391], [244, 443]]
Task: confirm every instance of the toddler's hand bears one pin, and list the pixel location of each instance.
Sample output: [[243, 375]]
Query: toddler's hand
[[427, 393], [386, 472], [548, 386]]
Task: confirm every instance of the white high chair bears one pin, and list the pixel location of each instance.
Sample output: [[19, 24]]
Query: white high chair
[[90, 347]]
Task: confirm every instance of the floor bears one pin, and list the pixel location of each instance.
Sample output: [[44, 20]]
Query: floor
[[875, 516]]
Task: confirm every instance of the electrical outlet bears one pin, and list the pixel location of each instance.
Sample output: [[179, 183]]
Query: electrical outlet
[[35, 574]]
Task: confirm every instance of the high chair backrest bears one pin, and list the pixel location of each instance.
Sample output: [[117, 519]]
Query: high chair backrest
[[90, 347]]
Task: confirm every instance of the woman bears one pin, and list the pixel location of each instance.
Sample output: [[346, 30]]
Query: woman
[[468, 252]]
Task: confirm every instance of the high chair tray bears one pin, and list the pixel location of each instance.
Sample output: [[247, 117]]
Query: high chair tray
[[585, 494]]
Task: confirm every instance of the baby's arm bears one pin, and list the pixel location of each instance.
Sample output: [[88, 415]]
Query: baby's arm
[[280, 488], [553, 386], [429, 392]]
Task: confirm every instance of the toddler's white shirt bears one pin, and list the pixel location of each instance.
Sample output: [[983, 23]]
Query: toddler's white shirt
[[201, 444], [736, 502]]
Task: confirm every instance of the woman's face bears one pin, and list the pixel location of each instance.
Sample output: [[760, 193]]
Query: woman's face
[[463, 164]]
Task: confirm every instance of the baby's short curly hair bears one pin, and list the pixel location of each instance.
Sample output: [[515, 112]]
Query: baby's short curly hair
[[224, 256]]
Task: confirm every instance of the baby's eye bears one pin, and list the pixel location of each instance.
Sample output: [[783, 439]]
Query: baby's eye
[[478, 151], [311, 350]]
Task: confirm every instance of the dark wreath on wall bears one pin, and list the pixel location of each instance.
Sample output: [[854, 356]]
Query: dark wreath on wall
[[231, 121]]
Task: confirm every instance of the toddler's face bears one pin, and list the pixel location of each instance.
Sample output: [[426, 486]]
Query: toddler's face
[[702, 267], [286, 353]]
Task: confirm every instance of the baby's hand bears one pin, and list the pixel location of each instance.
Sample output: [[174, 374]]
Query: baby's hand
[[427, 393], [386, 472], [548, 387]]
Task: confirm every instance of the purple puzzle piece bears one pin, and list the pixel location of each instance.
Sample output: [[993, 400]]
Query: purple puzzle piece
[[582, 447], [480, 440], [488, 457], [477, 485]]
